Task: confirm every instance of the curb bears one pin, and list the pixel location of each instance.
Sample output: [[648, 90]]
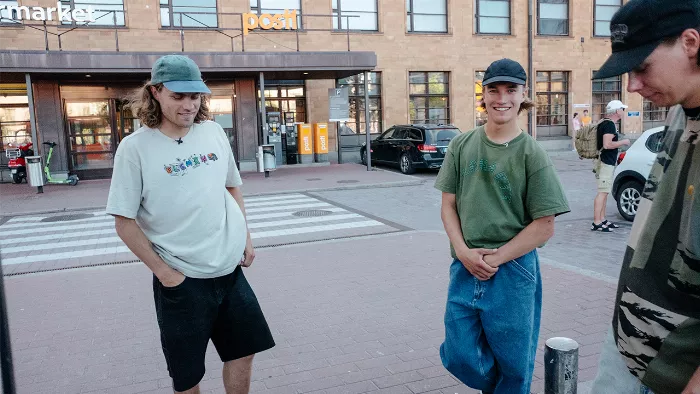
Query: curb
[[308, 190]]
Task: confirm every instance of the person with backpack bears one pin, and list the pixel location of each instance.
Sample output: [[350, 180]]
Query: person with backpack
[[500, 195], [604, 166]]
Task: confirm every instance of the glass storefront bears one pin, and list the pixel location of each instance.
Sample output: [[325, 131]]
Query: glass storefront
[[15, 128], [90, 135]]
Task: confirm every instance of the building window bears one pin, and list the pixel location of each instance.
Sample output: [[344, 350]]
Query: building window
[[480, 112], [274, 7], [552, 103], [426, 16], [5, 17], [362, 13], [107, 12], [429, 97], [356, 94], [604, 91], [602, 14], [287, 97], [492, 16], [653, 116], [553, 17], [181, 13], [15, 128]]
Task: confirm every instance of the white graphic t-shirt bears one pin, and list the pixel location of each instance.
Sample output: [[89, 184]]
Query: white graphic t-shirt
[[177, 194]]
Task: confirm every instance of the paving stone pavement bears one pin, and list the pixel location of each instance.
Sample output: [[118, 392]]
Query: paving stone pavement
[[349, 316]]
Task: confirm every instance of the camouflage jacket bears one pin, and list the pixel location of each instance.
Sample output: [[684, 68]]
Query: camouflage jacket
[[657, 311]]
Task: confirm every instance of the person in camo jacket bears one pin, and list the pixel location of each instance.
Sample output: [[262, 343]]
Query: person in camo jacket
[[654, 342]]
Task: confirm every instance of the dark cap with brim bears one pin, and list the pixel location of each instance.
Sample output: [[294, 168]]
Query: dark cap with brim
[[640, 26], [505, 71]]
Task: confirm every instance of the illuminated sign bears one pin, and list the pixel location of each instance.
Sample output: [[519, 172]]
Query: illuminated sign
[[286, 21]]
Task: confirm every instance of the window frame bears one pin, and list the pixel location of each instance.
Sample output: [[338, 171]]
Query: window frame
[[568, 19], [360, 115], [71, 5], [410, 27], [339, 17], [549, 93], [477, 22], [171, 14], [595, 116], [595, 17], [428, 95], [653, 109]]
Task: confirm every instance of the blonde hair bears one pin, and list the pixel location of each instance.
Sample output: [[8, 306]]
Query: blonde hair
[[145, 106]]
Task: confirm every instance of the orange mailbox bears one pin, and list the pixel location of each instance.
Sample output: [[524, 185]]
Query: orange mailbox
[[321, 142], [305, 143]]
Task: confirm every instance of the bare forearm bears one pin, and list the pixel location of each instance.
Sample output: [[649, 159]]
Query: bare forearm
[[535, 234], [453, 227], [238, 196], [134, 238]]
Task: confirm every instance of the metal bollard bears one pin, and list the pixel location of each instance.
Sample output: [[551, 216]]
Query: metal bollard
[[560, 366]]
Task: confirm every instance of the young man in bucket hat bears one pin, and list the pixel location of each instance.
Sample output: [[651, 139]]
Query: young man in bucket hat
[[654, 341], [500, 194], [176, 198]]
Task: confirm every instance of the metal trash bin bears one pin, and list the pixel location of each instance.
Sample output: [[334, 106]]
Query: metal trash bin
[[267, 159], [35, 172]]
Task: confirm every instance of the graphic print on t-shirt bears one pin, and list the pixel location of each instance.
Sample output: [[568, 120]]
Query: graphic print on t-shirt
[[501, 178], [181, 167]]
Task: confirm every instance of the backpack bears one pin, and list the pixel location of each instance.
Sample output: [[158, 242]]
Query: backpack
[[586, 142]]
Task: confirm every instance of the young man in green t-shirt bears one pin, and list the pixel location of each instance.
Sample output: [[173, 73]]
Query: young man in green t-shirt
[[500, 196]]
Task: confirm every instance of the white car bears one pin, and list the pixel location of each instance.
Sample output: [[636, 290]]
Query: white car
[[633, 169]]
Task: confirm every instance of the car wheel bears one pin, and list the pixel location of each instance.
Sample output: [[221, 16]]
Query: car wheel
[[628, 199], [363, 156], [406, 165]]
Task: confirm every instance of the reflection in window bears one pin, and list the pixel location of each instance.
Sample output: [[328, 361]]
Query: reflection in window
[[552, 103], [492, 16], [480, 114], [289, 100], [274, 7], [362, 13], [107, 12], [356, 95], [90, 134], [426, 16], [15, 128], [429, 97], [603, 13], [188, 13], [5, 16], [553, 17]]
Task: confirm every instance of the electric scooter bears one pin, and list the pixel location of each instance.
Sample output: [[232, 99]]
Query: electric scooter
[[71, 180], [16, 163]]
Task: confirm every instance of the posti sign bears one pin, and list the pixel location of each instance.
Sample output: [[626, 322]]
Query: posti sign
[[62, 13], [286, 21]]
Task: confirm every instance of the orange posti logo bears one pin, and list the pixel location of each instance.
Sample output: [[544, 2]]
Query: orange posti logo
[[286, 21]]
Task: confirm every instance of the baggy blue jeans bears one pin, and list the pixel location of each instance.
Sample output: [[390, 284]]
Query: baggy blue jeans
[[492, 327]]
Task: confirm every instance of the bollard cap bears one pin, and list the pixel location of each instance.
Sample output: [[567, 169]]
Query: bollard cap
[[561, 343]]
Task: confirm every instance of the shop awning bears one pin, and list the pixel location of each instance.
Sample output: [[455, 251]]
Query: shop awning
[[275, 65]]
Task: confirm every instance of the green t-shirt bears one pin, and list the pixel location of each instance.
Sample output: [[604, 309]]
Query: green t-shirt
[[500, 188]]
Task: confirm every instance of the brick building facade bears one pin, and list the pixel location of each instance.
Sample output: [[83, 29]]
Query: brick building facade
[[425, 59]]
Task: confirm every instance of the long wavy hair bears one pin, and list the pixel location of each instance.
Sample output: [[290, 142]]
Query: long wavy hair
[[145, 106]]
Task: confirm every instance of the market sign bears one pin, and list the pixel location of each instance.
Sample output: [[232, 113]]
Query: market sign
[[19, 13], [287, 21]]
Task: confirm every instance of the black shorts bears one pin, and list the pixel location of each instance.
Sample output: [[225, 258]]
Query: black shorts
[[222, 309]]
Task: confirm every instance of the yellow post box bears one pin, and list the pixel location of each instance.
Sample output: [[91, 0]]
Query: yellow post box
[[321, 142], [305, 143]]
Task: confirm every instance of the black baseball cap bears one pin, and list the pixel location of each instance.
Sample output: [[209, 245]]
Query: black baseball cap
[[505, 70], [640, 26]]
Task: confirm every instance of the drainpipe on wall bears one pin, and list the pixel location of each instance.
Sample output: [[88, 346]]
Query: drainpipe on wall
[[530, 123]]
